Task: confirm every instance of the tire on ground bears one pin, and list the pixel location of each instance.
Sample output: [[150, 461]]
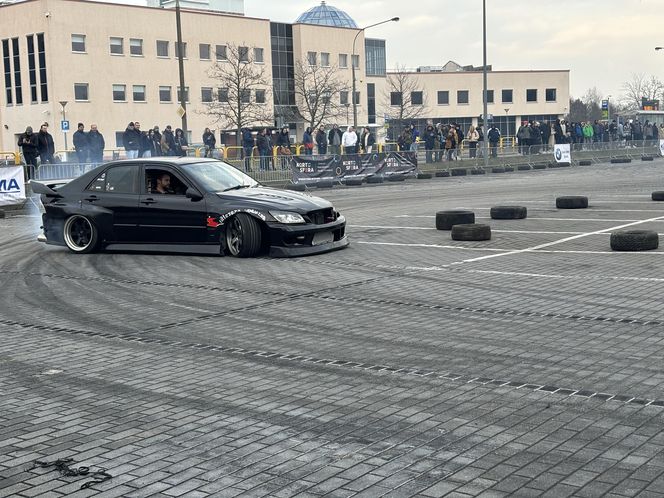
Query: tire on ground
[[375, 179], [298, 187], [473, 231], [585, 162], [509, 169], [477, 171], [445, 220], [539, 166], [353, 182], [509, 212], [646, 158], [324, 184], [620, 160], [442, 174], [572, 202], [658, 196], [498, 169], [634, 240], [424, 176], [396, 178], [524, 167], [243, 236], [459, 172]]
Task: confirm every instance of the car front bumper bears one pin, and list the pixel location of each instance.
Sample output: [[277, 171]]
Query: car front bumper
[[301, 240]]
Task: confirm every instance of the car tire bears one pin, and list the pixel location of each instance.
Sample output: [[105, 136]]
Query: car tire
[[509, 212], [80, 234], [375, 179], [585, 162], [243, 236], [445, 220], [442, 174], [459, 172], [572, 202], [658, 196], [634, 240], [471, 232]]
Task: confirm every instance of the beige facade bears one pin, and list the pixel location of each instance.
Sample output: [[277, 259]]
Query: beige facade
[[82, 38]]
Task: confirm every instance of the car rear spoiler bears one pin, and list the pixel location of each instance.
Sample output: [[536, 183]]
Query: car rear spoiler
[[46, 189]]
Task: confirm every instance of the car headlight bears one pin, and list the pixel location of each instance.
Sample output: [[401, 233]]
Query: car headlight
[[287, 217]]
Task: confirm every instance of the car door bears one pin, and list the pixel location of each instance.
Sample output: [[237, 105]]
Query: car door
[[171, 218], [113, 198]]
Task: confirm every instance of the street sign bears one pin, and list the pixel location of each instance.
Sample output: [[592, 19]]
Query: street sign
[[489, 117], [64, 125], [605, 104], [181, 111]]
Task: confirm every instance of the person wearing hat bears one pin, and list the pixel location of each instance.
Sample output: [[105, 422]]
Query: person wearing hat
[[28, 143], [131, 139], [81, 144], [168, 142]]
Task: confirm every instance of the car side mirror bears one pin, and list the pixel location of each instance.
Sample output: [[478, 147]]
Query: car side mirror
[[193, 194]]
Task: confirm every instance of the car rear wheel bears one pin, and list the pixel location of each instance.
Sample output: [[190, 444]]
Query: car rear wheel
[[80, 234], [243, 236]]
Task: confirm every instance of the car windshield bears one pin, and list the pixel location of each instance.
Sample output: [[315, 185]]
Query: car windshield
[[217, 176]]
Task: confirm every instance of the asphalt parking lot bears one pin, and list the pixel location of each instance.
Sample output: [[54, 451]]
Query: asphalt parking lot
[[405, 365]]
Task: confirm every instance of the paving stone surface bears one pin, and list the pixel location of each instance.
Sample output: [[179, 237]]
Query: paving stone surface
[[408, 365]]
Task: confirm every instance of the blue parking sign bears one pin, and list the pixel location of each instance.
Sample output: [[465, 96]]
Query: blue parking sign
[[64, 125]]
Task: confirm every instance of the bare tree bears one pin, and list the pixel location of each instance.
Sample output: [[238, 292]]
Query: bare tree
[[239, 82], [641, 86], [318, 92], [401, 87]]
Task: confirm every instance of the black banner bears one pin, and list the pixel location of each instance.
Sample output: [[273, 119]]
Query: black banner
[[360, 166]]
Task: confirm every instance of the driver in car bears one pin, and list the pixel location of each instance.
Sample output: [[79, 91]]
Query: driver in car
[[163, 184]]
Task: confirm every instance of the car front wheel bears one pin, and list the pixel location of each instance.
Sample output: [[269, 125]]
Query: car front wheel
[[243, 236], [80, 234]]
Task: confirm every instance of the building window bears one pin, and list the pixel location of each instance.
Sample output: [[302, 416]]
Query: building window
[[417, 98], [396, 98], [531, 95], [186, 94], [165, 94], [43, 83], [371, 102], [18, 87], [325, 59], [119, 93], [356, 61], [258, 55], [260, 96], [243, 54], [78, 43], [117, 47], [489, 96], [6, 60], [138, 92], [245, 96], [221, 53], [343, 61], [135, 46], [184, 49], [162, 48], [311, 58], [374, 55], [357, 98], [206, 94], [462, 96], [222, 95], [81, 91], [550, 94], [507, 96], [204, 51], [343, 97], [443, 97], [32, 68]]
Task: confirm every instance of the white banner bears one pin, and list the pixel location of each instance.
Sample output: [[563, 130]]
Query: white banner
[[12, 186], [562, 153], [661, 146]]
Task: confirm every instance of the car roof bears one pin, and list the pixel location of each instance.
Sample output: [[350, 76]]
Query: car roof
[[164, 160]]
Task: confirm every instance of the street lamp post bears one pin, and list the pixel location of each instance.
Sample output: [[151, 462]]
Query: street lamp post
[[63, 103], [352, 64], [183, 97], [485, 143]]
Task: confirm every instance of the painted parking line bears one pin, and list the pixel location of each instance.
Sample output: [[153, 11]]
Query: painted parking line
[[530, 218], [592, 209], [505, 252]]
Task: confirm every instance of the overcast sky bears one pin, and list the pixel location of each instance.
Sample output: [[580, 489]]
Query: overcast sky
[[602, 42]]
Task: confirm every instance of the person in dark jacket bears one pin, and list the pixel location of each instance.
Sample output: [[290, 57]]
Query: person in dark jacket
[[321, 140], [45, 144], [494, 138], [429, 142], [81, 144], [264, 146], [283, 146], [168, 142], [131, 140], [334, 140], [308, 141], [558, 133], [181, 144], [546, 133], [367, 140], [156, 142], [144, 146], [96, 145], [209, 141], [28, 143], [247, 147]]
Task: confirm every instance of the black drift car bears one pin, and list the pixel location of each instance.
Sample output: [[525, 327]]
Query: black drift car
[[185, 205]]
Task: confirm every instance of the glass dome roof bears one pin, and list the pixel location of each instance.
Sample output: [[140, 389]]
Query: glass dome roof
[[327, 15]]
